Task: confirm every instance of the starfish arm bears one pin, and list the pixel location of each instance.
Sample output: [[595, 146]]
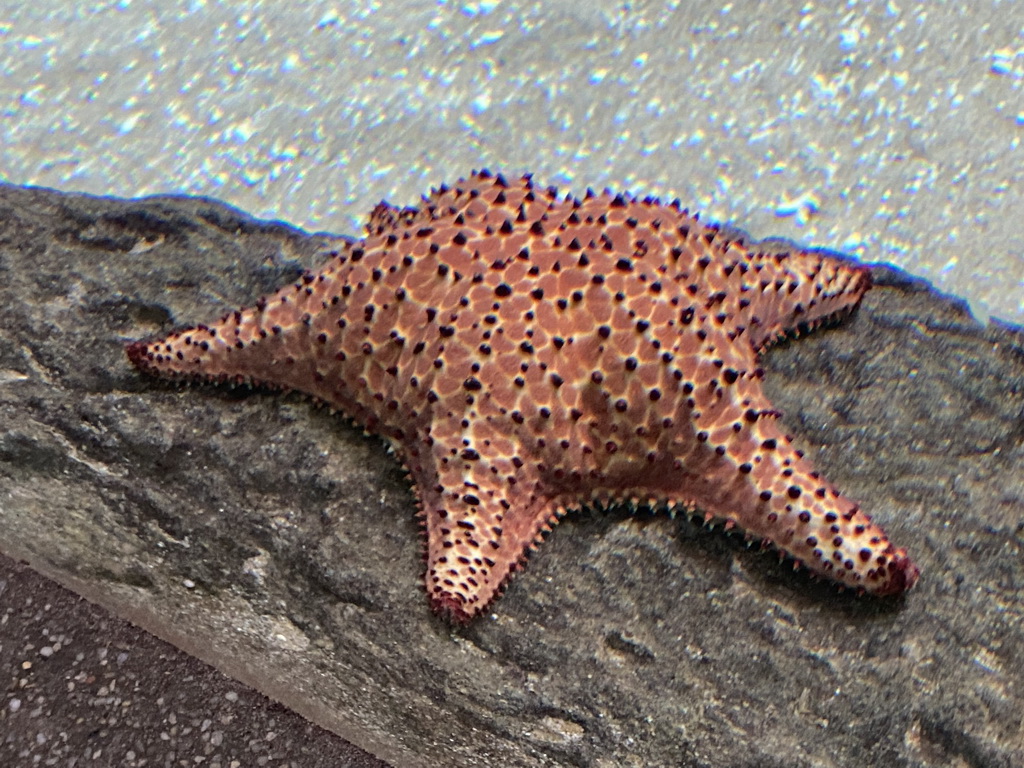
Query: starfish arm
[[337, 336], [769, 489], [258, 345], [482, 516], [796, 292]]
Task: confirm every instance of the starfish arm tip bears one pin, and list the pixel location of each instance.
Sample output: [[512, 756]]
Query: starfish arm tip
[[903, 575], [136, 351], [452, 609]]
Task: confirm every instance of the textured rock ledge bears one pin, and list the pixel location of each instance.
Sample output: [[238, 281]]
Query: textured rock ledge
[[273, 540]]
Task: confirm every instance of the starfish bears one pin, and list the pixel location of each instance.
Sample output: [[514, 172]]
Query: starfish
[[526, 354]]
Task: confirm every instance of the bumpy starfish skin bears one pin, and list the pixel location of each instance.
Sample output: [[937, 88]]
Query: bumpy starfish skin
[[526, 354]]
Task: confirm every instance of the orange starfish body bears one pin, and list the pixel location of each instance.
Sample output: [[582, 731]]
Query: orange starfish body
[[525, 354]]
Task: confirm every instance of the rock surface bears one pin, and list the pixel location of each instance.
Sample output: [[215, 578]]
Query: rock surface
[[273, 540]]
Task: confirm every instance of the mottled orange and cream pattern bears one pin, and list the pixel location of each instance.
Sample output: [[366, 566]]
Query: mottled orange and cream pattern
[[526, 353]]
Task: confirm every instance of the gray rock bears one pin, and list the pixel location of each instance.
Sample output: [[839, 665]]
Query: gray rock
[[274, 540]]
